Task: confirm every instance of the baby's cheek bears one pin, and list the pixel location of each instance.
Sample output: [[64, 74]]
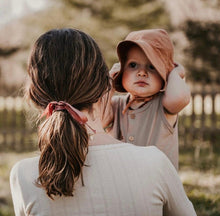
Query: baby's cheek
[[125, 80]]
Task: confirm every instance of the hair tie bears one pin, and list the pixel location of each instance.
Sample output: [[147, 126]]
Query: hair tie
[[61, 105]]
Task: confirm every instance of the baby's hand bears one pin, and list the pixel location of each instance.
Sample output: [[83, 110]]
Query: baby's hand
[[179, 69], [114, 70]]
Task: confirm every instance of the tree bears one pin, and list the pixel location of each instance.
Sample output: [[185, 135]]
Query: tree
[[107, 22], [113, 20], [203, 52]]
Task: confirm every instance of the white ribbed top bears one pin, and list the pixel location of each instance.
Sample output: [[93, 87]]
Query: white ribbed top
[[120, 180]]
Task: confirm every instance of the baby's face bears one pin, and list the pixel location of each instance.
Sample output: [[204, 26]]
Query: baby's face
[[140, 78]]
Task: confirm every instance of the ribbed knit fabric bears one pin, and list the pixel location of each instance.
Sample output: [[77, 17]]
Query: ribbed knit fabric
[[146, 126], [121, 180]]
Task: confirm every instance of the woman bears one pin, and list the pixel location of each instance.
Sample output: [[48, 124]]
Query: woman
[[81, 170]]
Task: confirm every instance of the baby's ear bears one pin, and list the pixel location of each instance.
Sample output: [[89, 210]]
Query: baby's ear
[[115, 70], [163, 89]]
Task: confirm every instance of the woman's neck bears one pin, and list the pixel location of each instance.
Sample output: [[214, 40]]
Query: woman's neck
[[97, 135], [102, 139]]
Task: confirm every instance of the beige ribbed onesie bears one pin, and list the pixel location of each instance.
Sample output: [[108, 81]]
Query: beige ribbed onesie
[[145, 126]]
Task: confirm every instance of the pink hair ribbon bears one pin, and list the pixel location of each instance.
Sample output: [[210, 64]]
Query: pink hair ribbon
[[61, 105]]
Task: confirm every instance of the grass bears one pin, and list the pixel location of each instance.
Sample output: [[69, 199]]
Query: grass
[[206, 203], [200, 176]]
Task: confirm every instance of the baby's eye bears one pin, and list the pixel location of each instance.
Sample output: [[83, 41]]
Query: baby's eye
[[132, 65], [152, 67]]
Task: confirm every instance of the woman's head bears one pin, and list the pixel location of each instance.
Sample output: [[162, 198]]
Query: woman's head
[[65, 66]]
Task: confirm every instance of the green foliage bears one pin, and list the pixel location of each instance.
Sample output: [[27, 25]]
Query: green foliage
[[204, 49], [135, 14], [108, 21], [206, 161], [202, 176], [205, 203], [6, 212], [199, 131], [16, 133]]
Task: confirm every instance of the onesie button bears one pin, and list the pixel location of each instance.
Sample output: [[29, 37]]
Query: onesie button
[[131, 138], [132, 116]]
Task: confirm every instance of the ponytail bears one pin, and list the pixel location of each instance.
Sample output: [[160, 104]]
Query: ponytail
[[65, 66], [63, 143]]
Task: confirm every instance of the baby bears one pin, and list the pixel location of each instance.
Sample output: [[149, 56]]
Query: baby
[[156, 92]]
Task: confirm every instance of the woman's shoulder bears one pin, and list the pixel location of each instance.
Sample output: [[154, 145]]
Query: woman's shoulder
[[24, 166], [151, 150], [148, 152], [26, 162], [151, 155]]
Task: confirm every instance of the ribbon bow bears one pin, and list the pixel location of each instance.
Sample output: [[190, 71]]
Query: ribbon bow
[[61, 105]]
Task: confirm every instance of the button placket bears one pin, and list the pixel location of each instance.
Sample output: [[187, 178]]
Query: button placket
[[131, 123], [132, 116], [131, 138]]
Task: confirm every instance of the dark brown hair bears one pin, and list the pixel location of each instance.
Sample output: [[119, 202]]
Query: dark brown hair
[[65, 65]]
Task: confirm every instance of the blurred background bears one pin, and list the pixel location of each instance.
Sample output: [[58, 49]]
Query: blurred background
[[194, 27]]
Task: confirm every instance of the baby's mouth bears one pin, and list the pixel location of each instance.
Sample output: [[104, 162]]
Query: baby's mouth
[[141, 83]]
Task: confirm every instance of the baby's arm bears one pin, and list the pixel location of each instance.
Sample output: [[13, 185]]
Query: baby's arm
[[106, 105], [177, 94], [106, 109]]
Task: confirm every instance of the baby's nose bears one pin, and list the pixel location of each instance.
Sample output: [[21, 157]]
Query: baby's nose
[[142, 72]]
